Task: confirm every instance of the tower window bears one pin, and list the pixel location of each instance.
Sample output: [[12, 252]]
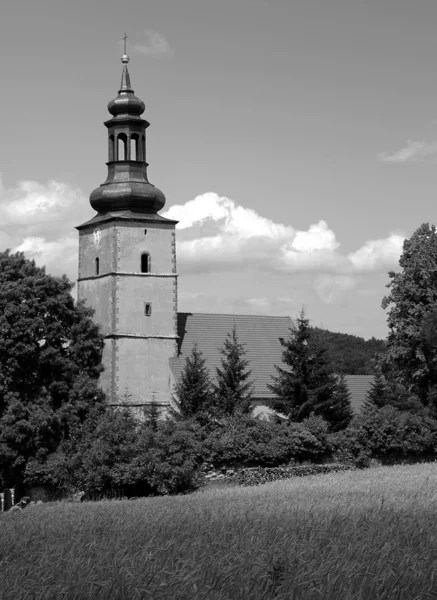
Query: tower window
[[97, 266], [121, 147], [145, 262], [148, 309], [111, 148], [145, 232], [134, 147]]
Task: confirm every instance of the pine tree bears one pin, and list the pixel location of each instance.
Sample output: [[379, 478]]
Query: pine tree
[[339, 412], [376, 396], [193, 392], [233, 390], [307, 383]]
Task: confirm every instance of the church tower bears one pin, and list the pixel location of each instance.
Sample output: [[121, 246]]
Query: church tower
[[127, 263]]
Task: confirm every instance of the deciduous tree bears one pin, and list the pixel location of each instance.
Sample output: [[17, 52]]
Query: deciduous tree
[[412, 316], [50, 361]]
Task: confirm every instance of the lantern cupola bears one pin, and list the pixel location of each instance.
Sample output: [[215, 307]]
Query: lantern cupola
[[127, 187]]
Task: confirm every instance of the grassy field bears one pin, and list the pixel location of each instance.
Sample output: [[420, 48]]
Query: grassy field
[[355, 535]]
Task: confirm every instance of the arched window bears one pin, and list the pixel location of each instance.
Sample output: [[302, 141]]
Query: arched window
[[145, 262], [111, 148], [97, 266], [121, 146], [143, 148], [134, 147]]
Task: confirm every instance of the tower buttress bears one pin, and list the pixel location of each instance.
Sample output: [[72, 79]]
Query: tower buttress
[[127, 263]]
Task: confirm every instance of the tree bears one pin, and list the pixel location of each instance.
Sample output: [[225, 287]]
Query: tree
[[412, 316], [349, 354], [193, 392], [233, 390], [376, 396], [50, 361], [338, 413], [307, 384]]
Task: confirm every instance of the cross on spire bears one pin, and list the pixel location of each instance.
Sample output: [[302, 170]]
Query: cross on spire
[[125, 38]]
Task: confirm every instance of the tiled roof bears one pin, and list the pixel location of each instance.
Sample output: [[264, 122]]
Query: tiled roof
[[260, 334], [358, 386]]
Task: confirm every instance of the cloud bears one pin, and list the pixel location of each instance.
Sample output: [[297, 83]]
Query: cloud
[[216, 233], [154, 45], [332, 288], [378, 254], [413, 152], [38, 219]]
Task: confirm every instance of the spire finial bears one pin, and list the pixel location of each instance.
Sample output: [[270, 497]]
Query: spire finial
[[125, 57]]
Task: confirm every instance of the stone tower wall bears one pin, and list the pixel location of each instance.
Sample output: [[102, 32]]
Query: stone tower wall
[[137, 346]]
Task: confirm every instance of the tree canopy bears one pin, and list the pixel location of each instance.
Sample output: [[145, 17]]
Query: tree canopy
[[412, 317], [193, 392], [50, 361], [307, 383], [233, 389]]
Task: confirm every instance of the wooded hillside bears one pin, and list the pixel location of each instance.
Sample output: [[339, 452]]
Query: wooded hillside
[[350, 354]]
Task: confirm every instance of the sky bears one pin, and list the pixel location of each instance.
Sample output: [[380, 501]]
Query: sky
[[295, 141]]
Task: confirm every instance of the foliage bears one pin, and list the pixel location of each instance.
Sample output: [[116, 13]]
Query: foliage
[[113, 453], [339, 412], [412, 316], [387, 432], [307, 384], [193, 392], [50, 361], [255, 442], [349, 354], [233, 389]]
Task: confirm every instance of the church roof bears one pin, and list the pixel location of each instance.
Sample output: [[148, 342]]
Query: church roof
[[358, 386], [260, 334]]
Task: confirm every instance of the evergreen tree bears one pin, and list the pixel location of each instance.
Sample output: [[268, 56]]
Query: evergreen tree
[[307, 384], [193, 392], [339, 412], [233, 389], [376, 396]]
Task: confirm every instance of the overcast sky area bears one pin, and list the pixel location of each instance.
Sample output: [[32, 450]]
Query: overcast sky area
[[295, 141]]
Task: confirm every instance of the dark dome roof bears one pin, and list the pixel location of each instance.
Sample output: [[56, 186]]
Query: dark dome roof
[[126, 103]]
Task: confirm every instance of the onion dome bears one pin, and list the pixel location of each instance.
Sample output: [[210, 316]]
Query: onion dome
[[126, 101], [127, 187]]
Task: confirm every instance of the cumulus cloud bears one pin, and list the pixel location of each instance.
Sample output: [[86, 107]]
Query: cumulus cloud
[[217, 233], [154, 44], [377, 254], [413, 152], [38, 219]]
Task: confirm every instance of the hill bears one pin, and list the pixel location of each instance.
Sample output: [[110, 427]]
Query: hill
[[350, 354]]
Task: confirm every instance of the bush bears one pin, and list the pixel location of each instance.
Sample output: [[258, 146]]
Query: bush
[[384, 433], [114, 455], [253, 442]]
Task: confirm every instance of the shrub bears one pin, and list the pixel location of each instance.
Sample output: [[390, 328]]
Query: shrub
[[113, 454], [387, 432], [249, 441]]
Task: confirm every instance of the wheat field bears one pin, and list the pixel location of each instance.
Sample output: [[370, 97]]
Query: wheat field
[[354, 535]]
